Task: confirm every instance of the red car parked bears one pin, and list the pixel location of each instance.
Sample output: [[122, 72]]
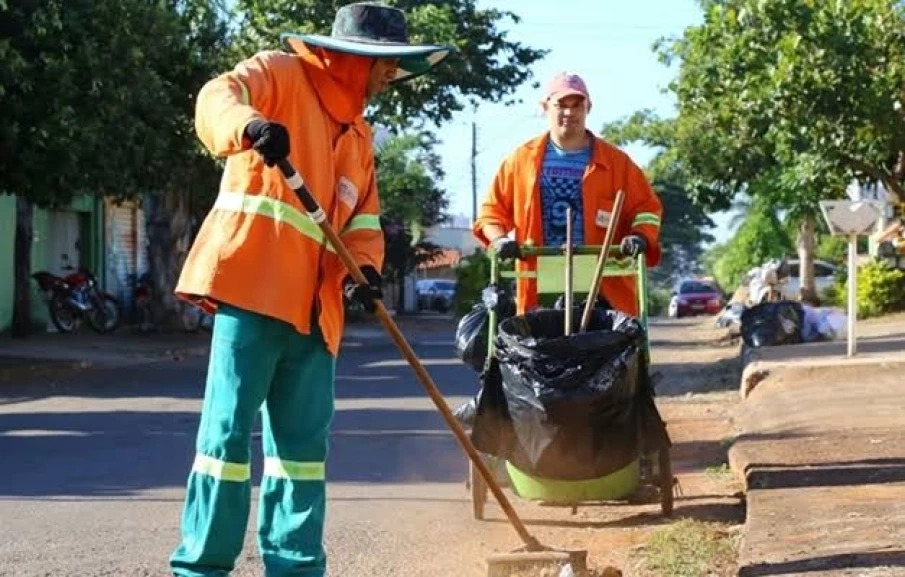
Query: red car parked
[[696, 297]]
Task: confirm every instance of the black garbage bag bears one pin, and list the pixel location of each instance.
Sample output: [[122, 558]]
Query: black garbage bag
[[575, 407], [492, 430], [471, 337], [772, 324], [473, 328]]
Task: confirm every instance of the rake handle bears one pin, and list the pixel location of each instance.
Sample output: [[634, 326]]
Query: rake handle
[[317, 215]]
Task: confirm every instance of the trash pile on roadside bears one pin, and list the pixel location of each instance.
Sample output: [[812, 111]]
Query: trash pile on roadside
[[766, 317], [777, 323]]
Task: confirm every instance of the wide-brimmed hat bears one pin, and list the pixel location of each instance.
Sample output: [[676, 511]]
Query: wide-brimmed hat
[[377, 31]]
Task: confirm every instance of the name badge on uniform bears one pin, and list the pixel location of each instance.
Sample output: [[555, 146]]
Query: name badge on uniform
[[603, 218], [347, 192]]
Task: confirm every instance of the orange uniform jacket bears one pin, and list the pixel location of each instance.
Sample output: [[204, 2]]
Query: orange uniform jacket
[[513, 203], [257, 249]]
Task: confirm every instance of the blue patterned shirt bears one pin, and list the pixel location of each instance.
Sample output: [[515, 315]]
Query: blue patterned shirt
[[560, 188]]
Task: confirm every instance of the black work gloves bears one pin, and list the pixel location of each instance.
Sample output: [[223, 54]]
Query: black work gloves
[[270, 139], [506, 248], [364, 294], [601, 303], [633, 245]]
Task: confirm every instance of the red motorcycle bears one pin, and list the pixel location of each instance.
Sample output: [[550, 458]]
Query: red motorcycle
[[75, 297]]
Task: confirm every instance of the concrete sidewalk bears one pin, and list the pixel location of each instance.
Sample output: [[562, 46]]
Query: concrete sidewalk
[[820, 447]]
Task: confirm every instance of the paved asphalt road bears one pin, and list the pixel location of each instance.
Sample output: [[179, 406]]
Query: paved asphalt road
[[95, 466]]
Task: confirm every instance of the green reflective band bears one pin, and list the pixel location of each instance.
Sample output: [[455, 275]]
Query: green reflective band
[[646, 218], [295, 470], [363, 222], [271, 208], [223, 470], [246, 96]]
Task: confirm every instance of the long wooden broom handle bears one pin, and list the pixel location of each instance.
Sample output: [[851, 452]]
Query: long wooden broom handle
[[601, 262], [317, 215]]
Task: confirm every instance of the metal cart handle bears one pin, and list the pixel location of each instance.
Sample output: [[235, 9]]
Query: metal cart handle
[[639, 271]]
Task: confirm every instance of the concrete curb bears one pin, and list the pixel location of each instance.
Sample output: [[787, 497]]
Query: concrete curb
[[818, 454], [816, 358]]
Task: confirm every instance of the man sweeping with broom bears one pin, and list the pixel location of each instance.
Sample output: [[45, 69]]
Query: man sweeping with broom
[[277, 288]]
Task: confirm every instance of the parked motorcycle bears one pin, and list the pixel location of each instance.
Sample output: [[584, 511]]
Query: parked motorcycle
[[76, 296], [194, 318]]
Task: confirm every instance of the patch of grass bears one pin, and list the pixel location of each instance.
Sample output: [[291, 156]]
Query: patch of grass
[[690, 548], [727, 442], [718, 471]]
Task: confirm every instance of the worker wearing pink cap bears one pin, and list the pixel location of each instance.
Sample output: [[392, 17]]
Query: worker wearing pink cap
[[569, 167]]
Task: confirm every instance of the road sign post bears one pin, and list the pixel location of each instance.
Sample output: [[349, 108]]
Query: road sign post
[[852, 219]]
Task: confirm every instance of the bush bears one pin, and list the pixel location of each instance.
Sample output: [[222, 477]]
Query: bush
[[472, 275], [835, 295], [881, 290], [658, 302]]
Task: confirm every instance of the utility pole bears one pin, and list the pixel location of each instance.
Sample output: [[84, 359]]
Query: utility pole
[[474, 171]]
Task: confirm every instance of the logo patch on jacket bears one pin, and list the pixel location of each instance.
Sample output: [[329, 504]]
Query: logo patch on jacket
[[347, 192], [603, 218]]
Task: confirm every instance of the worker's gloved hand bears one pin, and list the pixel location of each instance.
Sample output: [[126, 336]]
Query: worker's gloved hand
[[633, 245], [364, 294], [506, 248], [601, 303], [269, 139]]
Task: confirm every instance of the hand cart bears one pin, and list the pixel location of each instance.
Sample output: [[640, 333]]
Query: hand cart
[[646, 477]]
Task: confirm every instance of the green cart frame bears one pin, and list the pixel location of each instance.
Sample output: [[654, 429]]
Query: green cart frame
[[638, 480]]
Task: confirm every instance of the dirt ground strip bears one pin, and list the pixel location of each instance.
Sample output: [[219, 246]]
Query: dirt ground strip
[[697, 396]]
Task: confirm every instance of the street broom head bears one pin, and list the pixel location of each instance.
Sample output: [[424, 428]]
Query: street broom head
[[538, 564]]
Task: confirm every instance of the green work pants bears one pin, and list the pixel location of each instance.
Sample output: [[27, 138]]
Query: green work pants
[[258, 362]]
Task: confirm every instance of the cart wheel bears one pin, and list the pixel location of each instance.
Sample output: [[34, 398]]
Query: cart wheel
[[478, 492], [666, 482]]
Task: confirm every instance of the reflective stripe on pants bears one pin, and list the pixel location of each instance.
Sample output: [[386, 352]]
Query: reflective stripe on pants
[[256, 363]]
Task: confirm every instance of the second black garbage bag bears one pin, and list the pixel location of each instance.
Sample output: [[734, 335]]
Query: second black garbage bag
[[566, 407]]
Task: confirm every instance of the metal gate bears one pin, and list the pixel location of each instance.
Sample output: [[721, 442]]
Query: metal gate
[[126, 250]]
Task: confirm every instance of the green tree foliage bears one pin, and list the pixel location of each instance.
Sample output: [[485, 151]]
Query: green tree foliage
[[807, 90], [487, 65], [760, 238], [790, 100], [686, 225], [407, 172], [99, 100]]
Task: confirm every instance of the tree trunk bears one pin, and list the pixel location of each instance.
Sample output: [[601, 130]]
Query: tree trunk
[[170, 237], [21, 326], [400, 292], [806, 243]]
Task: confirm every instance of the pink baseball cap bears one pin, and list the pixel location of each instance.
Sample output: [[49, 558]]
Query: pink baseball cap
[[566, 84]]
